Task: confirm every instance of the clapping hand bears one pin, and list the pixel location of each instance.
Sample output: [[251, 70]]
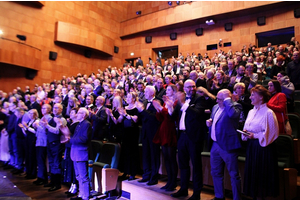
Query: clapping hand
[[157, 105], [180, 96], [122, 111], [232, 80], [108, 112]]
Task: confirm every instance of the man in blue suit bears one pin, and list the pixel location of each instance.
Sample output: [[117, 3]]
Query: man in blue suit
[[222, 128], [79, 152]]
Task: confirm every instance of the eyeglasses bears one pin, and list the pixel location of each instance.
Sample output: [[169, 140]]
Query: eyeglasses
[[190, 87]]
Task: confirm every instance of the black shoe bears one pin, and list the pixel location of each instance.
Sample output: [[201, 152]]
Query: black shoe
[[170, 189], [71, 194], [67, 192], [18, 171], [76, 198], [124, 176], [8, 167], [144, 180], [153, 182], [49, 184], [40, 181], [131, 178], [194, 197], [216, 198], [54, 188], [30, 176], [164, 187], [180, 193]]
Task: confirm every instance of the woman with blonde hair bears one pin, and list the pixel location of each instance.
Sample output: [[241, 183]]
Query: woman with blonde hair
[[115, 120], [130, 142]]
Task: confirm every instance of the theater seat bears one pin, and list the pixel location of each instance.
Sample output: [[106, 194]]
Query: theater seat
[[105, 172], [94, 152]]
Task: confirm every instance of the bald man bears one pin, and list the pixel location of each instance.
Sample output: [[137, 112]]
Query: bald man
[[225, 143]]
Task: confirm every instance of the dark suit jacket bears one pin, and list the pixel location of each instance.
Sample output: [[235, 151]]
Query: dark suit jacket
[[225, 128], [161, 93], [65, 100], [99, 124], [80, 141], [11, 123], [194, 118], [36, 106], [150, 123], [98, 90]]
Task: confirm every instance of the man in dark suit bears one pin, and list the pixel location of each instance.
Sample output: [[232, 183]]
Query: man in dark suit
[[239, 78], [160, 91], [65, 97], [79, 152], [98, 89], [231, 70], [222, 128], [190, 112], [151, 151], [98, 118], [34, 104]]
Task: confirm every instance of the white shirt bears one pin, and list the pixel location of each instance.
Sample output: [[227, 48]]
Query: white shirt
[[216, 117], [263, 123]]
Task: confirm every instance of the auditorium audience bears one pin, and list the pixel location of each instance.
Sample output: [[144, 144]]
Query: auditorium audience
[[166, 121]]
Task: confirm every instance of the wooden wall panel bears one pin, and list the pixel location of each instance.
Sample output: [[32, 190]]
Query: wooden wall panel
[[95, 19], [73, 34], [166, 15], [243, 33]]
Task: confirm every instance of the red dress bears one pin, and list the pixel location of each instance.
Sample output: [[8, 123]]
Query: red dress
[[166, 133], [277, 103]]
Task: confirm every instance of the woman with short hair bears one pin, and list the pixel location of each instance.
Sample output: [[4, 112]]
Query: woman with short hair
[[261, 178]]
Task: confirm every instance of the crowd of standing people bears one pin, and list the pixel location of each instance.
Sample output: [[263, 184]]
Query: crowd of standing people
[[178, 105]]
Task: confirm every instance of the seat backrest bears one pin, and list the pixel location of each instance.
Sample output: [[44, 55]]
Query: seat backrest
[[297, 107], [295, 124], [297, 95], [95, 149], [110, 154], [285, 150]]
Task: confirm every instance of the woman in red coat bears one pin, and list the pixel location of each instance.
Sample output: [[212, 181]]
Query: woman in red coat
[[277, 103], [166, 136]]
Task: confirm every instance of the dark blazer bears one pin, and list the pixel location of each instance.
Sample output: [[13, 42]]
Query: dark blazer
[[65, 100], [226, 134], [234, 73], [150, 123], [99, 120], [80, 141], [194, 118], [36, 106], [98, 90], [11, 123], [161, 93]]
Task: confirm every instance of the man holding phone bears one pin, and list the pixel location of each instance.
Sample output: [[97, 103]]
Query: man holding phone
[[225, 143]]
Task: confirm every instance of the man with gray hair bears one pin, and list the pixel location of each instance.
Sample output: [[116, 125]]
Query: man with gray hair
[[151, 151], [79, 152]]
